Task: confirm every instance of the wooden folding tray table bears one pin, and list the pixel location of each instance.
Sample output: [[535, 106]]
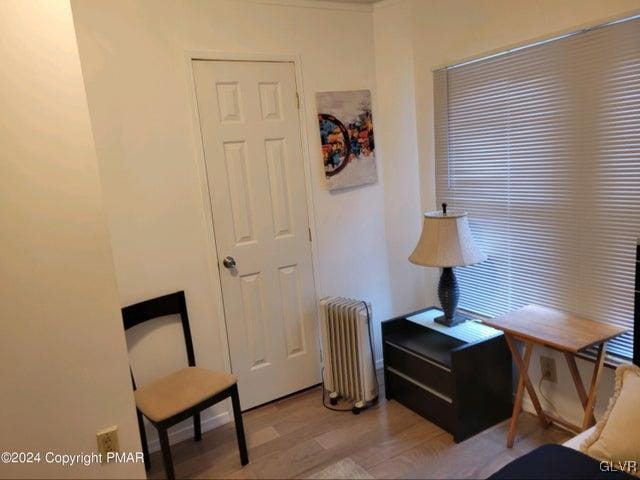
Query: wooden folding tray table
[[535, 325]]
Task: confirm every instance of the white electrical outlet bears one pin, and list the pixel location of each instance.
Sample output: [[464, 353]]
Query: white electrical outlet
[[107, 441], [548, 369]]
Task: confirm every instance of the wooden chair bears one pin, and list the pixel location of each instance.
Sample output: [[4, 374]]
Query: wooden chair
[[183, 393]]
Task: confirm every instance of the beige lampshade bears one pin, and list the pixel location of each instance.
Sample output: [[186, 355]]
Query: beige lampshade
[[446, 241]]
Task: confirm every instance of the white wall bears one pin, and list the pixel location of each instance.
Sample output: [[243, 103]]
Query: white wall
[[398, 146], [445, 32], [137, 85], [64, 371]]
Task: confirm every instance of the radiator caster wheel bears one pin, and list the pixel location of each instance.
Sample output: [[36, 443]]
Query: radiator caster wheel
[[333, 401], [356, 410]]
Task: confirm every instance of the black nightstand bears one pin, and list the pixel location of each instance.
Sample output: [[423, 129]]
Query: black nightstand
[[456, 377]]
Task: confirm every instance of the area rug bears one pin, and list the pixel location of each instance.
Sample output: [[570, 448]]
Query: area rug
[[345, 468]]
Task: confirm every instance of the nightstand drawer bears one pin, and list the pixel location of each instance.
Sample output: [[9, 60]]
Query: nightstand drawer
[[419, 398], [425, 371]]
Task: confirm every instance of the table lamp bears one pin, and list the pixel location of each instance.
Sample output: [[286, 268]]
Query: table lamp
[[446, 242]]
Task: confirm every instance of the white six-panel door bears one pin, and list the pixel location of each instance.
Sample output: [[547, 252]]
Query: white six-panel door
[[251, 134]]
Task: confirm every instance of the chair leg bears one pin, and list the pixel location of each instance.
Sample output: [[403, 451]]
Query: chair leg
[[143, 441], [237, 415], [166, 453], [197, 428]]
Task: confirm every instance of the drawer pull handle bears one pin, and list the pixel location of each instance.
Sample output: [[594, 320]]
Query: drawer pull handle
[[424, 359], [422, 386]]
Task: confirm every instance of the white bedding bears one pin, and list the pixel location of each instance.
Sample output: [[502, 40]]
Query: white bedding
[[578, 439]]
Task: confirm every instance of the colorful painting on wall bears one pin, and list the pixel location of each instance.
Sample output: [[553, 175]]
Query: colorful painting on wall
[[346, 133]]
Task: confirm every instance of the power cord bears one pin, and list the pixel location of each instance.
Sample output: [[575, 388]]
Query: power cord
[[546, 376], [373, 355], [373, 365]]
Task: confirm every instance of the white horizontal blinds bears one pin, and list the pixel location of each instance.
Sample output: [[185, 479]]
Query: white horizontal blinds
[[542, 147]]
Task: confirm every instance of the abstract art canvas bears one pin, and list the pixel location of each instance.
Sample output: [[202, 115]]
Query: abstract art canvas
[[346, 134]]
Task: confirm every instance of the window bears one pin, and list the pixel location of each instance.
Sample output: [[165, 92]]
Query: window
[[542, 147]]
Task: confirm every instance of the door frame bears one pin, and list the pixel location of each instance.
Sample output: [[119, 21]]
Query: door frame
[[205, 188]]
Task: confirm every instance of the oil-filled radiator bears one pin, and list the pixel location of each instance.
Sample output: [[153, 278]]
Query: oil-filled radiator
[[347, 351]]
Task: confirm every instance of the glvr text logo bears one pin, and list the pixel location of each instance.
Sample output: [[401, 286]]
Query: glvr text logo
[[626, 466]]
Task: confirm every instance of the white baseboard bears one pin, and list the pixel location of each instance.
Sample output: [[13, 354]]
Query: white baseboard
[[528, 407], [177, 435]]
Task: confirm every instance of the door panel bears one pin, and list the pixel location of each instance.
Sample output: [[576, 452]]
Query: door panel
[[251, 135]]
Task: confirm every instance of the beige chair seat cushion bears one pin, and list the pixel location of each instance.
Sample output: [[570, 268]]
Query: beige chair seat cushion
[[180, 391]]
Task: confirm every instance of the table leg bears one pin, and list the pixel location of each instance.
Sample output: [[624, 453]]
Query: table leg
[[523, 368], [517, 404], [577, 380], [593, 389]]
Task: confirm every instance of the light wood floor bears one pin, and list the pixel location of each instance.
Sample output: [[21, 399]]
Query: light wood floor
[[297, 437]]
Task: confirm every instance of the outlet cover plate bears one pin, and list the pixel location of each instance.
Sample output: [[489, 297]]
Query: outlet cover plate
[[107, 441], [548, 369]]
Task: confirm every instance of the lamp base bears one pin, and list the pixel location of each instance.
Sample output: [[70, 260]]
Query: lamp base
[[449, 294], [450, 322]]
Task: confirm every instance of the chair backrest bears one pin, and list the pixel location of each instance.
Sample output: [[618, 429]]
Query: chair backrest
[[172, 304]]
